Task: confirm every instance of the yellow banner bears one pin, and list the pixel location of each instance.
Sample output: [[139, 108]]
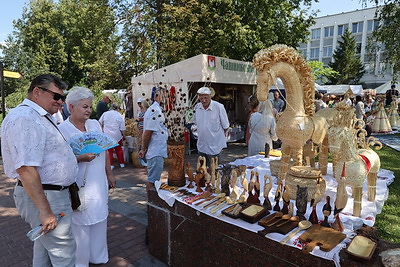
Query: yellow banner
[[11, 74]]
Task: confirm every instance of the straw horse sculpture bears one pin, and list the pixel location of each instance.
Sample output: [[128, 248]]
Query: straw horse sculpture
[[297, 124], [344, 143]]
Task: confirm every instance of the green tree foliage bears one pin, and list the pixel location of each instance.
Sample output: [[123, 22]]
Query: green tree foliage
[[321, 73], [176, 30], [345, 61], [388, 32]]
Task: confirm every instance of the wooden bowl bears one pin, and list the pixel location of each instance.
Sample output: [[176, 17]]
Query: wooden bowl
[[361, 248]]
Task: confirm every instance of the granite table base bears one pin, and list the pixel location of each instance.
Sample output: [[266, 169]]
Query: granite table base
[[182, 236]]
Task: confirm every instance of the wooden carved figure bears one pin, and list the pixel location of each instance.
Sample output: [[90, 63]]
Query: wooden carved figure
[[257, 183], [291, 209], [218, 183], [267, 189], [245, 185], [199, 178], [313, 215], [278, 195], [326, 210], [234, 193], [253, 196], [341, 201], [226, 177], [201, 165], [213, 170], [190, 175], [286, 200], [301, 202]]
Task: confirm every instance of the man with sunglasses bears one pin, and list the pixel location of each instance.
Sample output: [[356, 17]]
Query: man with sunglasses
[[36, 154]]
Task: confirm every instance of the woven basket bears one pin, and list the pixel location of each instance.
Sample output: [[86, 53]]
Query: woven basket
[[304, 176], [274, 166]]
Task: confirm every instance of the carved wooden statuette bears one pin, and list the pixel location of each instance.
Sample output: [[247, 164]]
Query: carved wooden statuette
[[313, 215], [267, 189], [190, 175], [301, 202], [218, 183], [213, 171], [253, 190], [326, 210], [226, 177], [278, 195], [201, 165], [245, 185], [291, 209], [199, 178], [341, 200], [257, 183], [286, 200], [234, 193]]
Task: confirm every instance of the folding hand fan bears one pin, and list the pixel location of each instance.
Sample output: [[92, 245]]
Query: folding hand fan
[[91, 142]]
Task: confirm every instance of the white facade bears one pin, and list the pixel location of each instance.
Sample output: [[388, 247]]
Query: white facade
[[326, 32]]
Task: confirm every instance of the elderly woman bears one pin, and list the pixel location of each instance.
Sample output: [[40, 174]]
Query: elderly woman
[[262, 128], [89, 223]]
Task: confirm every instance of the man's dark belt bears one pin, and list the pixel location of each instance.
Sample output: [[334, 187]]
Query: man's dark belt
[[49, 186]]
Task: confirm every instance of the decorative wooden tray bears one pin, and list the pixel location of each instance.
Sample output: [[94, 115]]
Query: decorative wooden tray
[[324, 237], [253, 213], [361, 248]]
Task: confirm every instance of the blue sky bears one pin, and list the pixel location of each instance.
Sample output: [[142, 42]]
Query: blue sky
[[10, 10]]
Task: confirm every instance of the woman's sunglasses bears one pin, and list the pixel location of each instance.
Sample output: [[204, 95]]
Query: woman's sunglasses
[[56, 96]]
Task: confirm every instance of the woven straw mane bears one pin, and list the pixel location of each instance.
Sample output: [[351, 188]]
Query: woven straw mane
[[265, 58]]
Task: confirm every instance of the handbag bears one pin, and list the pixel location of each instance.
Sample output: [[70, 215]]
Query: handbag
[[81, 192], [73, 191]]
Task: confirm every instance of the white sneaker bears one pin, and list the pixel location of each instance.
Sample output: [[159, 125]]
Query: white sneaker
[[112, 167], [122, 165]]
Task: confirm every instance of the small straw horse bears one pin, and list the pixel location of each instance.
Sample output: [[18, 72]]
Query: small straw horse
[[360, 162]]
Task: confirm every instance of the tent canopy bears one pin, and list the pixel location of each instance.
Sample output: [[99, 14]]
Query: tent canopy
[[341, 89], [386, 86]]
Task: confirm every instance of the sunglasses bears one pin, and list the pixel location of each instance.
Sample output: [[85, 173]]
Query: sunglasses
[[56, 96]]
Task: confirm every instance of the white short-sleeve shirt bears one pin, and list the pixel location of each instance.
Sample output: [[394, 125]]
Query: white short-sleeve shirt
[[154, 121], [30, 139], [113, 123]]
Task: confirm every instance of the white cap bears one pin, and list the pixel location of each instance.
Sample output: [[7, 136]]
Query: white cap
[[204, 91], [139, 100]]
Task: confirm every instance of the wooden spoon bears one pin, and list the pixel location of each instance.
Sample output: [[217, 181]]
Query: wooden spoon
[[292, 219], [303, 225], [283, 218]]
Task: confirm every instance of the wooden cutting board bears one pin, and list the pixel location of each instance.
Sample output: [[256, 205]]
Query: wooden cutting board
[[324, 237]]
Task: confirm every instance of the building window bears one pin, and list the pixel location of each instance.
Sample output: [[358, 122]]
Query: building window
[[316, 34], [328, 51], [358, 48], [372, 25], [303, 52], [342, 29], [314, 53], [357, 27], [328, 32]]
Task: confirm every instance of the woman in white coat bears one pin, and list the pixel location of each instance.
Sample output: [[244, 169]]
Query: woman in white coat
[[262, 128], [89, 225]]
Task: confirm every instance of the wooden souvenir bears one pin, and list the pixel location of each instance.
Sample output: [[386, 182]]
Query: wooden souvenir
[[341, 201], [199, 178], [253, 196], [190, 175], [218, 183], [313, 215], [267, 189], [201, 165], [326, 210], [233, 211], [234, 193], [362, 248], [226, 177], [273, 224], [253, 213], [301, 202], [325, 238], [245, 185], [286, 200], [278, 195]]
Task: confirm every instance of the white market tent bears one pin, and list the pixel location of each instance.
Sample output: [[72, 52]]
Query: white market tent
[[341, 89], [386, 86]]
